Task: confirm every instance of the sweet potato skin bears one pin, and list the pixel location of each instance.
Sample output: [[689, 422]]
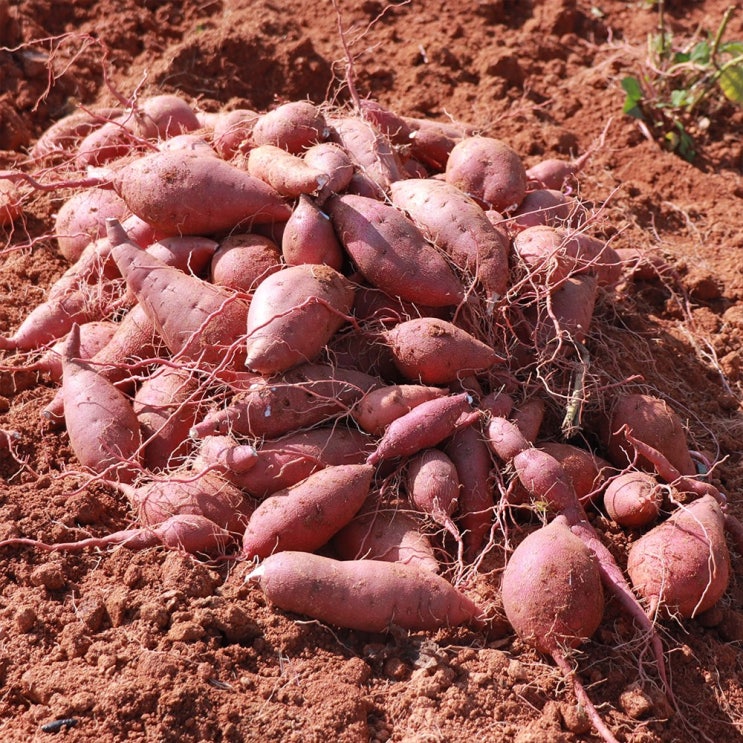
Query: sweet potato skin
[[682, 566], [293, 314], [391, 252], [366, 595], [182, 193], [307, 515], [552, 591]]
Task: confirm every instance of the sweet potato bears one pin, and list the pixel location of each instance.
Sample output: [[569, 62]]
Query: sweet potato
[[82, 219], [193, 534], [471, 457], [554, 173], [651, 420], [388, 534], [332, 160], [633, 499], [432, 351], [306, 515], [553, 598], [205, 327], [181, 193], [293, 126], [379, 407], [243, 260], [185, 492], [366, 595], [11, 202], [166, 406], [489, 170], [289, 175], [225, 455], [370, 151], [65, 134], [426, 425], [545, 206], [682, 566], [293, 314], [309, 237], [552, 591], [102, 426], [457, 225], [301, 397], [432, 485], [232, 132], [587, 471], [282, 462], [391, 252]]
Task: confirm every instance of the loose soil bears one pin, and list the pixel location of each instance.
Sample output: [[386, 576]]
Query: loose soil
[[155, 646]]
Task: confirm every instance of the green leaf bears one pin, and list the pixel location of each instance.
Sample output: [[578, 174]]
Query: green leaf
[[731, 83], [680, 98], [700, 53], [632, 88], [733, 48]]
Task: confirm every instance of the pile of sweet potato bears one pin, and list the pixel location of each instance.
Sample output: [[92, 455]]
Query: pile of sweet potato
[[314, 339]]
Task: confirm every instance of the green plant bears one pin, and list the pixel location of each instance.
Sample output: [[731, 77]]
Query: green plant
[[680, 87]]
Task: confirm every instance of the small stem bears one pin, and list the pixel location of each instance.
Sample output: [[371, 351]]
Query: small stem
[[720, 32]]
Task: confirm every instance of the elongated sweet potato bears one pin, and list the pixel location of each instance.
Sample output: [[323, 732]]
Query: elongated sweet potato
[[293, 126], [279, 463], [102, 426], [457, 225], [427, 424], [433, 351], [289, 175], [366, 595], [682, 565], [379, 407], [205, 327], [293, 314], [301, 397], [306, 515], [391, 252], [187, 194]]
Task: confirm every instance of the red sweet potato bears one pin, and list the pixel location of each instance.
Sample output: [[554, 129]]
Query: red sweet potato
[[82, 219], [293, 314], [433, 487], [379, 407], [181, 193], [682, 566], [289, 175], [489, 170], [185, 493], [433, 351], [457, 225], [166, 406], [301, 397], [102, 426], [388, 534], [306, 515], [279, 463], [426, 425], [633, 499], [193, 534], [391, 252], [309, 237], [471, 457], [651, 420], [366, 595], [204, 327], [370, 151], [293, 126]]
